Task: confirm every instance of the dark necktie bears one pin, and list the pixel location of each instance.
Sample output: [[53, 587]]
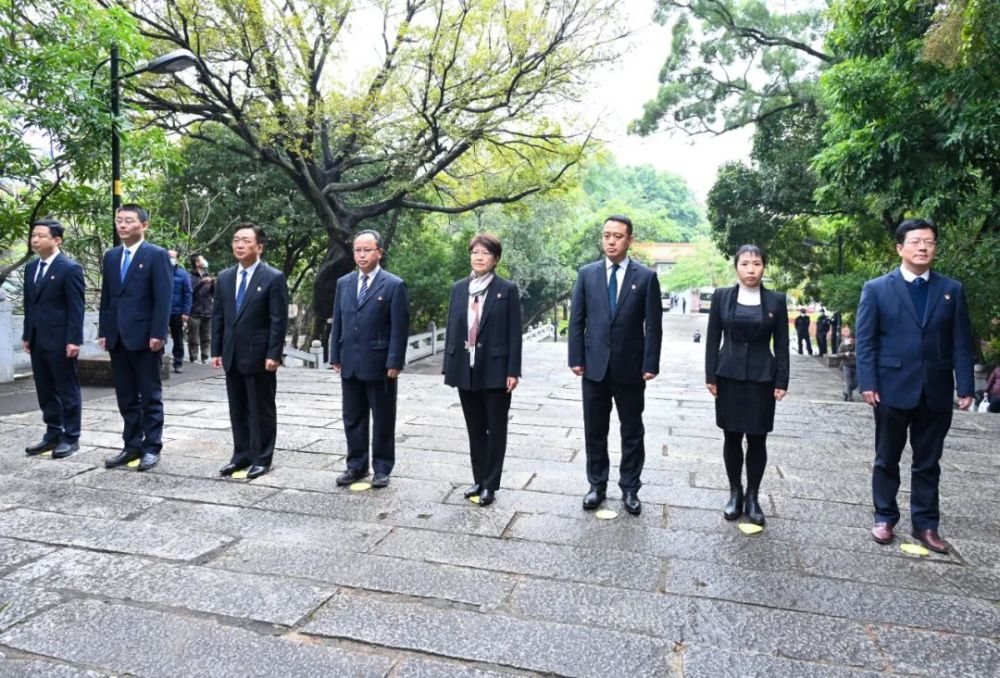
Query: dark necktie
[[241, 292], [918, 292], [613, 288], [363, 292], [126, 260], [40, 274]]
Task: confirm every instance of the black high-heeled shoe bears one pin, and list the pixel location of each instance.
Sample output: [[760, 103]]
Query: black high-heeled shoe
[[751, 507], [734, 507], [473, 491]]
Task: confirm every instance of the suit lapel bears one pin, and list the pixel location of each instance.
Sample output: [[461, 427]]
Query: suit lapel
[[49, 273], [630, 272], [138, 261], [898, 284], [29, 273], [935, 288], [373, 289]]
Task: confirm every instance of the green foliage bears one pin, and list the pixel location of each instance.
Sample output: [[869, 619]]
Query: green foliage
[[705, 267]]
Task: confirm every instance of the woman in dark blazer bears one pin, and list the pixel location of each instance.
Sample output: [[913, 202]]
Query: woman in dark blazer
[[483, 360], [744, 376]]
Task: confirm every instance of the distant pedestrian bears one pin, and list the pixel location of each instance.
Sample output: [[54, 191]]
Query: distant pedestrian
[[744, 376], [847, 366], [822, 329], [993, 390], [180, 308], [914, 343], [802, 331], [199, 327]]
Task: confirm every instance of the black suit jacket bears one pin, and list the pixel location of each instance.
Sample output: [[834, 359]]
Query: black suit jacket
[[626, 345], [138, 308], [53, 308], [747, 360], [369, 339], [498, 344], [257, 332]]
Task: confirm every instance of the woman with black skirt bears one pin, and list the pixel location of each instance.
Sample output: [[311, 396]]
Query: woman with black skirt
[[483, 360], [744, 376]]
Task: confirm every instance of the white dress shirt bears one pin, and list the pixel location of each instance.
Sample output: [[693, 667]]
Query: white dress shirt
[[909, 276], [620, 274], [239, 275], [371, 279], [48, 264]]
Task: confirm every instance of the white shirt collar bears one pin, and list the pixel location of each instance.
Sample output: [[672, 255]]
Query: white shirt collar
[[621, 267], [909, 276], [371, 276], [249, 269], [132, 248], [51, 258]]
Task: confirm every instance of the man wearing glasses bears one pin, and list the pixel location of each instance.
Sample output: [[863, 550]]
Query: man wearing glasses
[[914, 342], [136, 291], [371, 320]]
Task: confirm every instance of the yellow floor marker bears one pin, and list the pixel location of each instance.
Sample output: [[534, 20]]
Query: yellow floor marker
[[46, 453], [914, 549], [133, 464], [474, 499], [360, 487], [750, 528], [606, 514], [240, 475]]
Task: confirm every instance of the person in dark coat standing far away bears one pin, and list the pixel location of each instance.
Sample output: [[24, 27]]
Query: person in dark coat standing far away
[[53, 333], [371, 321], [615, 332], [913, 343], [483, 360], [249, 319], [136, 291], [744, 376]]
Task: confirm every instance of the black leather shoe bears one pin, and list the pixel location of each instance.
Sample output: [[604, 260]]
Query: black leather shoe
[[63, 450], [351, 476], [734, 507], [177, 369], [148, 461], [751, 507], [43, 446], [487, 497], [632, 504], [256, 471], [593, 499], [473, 491], [229, 469], [122, 458], [380, 480]]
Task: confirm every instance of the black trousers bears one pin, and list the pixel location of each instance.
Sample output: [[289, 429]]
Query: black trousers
[[199, 334], [374, 401], [927, 430], [177, 334], [486, 420], [821, 343], [140, 397], [58, 389], [253, 415], [629, 399], [808, 341]]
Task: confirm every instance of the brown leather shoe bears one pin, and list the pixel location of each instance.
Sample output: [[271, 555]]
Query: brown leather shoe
[[932, 540], [882, 533]]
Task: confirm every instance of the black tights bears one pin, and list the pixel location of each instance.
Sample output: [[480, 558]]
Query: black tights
[[756, 459]]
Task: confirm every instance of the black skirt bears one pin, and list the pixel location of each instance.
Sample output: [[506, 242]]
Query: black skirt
[[745, 406]]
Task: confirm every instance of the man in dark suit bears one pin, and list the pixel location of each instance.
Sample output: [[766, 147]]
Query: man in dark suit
[[249, 318], [53, 332], [371, 319], [822, 329], [802, 331], [914, 341], [614, 344], [136, 288]]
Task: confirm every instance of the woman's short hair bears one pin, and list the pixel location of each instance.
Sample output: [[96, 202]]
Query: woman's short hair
[[488, 241], [753, 250]]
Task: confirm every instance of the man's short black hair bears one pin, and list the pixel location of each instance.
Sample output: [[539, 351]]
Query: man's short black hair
[[622, 219], [139, 210], [258, 231], [56, 229], [373, 233], [913, 225]]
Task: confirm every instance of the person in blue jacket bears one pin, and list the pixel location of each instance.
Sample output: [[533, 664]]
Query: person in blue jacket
[[180, 308]]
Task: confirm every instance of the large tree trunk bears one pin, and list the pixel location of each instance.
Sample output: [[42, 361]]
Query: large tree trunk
[[335, 265]]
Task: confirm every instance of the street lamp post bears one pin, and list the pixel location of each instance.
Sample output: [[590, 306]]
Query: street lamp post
[[178, 60]]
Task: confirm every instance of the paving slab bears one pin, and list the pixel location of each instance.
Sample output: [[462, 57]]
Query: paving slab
[[119, 638], [18, 602]]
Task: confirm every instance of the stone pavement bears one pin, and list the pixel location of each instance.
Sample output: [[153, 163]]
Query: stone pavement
[[176, 572]]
